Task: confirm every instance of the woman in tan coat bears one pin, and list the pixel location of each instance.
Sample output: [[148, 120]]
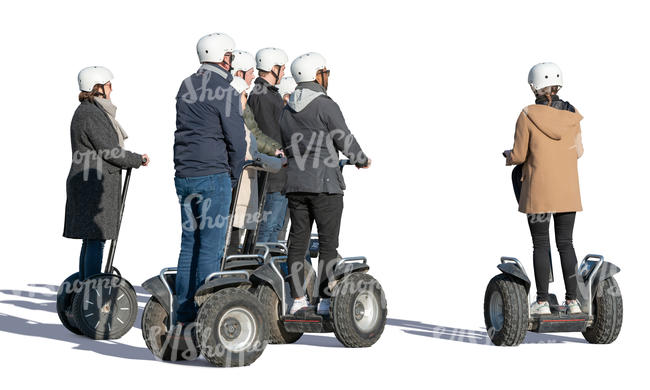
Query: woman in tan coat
[[548, 143]]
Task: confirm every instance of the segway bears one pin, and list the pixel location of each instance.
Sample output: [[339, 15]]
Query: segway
[[358, 306], [506, 303], [104, 306], [231, 327]]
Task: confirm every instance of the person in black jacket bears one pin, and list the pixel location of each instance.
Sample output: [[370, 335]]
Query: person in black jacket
[[313, 134], [209, 152], [266, 104], [95, 178]]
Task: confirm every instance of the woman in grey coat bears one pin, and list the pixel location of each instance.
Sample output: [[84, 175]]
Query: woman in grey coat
[[95, 180]]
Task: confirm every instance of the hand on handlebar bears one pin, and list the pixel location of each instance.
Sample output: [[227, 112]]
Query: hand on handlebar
[[367, 164]]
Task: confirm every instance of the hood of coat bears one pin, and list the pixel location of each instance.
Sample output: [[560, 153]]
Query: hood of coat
[[550, 121], [304, 94]]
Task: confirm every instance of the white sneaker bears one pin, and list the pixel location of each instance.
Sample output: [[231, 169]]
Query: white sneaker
[[323, 307], [298, 303], [540, 308], [574, 306]]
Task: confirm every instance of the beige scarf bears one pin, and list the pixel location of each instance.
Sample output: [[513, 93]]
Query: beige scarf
[[110, 109]]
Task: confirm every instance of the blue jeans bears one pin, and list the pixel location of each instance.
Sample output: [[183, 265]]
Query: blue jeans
[[205, 203], [275, 209], [90, 260]]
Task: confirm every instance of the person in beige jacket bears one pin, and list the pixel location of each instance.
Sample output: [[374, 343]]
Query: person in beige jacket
[[548, 143]]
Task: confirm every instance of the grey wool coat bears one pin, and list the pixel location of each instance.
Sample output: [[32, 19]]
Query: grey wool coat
[[94, 183]]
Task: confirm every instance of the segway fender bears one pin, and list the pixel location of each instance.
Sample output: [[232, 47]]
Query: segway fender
[[348, 268], [514, 270], [156, 288], [267, 274], [606, 271], [220, 283]]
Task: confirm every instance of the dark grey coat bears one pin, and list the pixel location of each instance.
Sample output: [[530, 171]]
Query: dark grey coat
[[313, 134], [95, 179]]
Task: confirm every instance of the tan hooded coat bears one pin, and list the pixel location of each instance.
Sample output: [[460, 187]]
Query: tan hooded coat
[[548, 142]]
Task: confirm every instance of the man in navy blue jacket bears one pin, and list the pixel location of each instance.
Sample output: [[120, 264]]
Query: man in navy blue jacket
[[209, 152]]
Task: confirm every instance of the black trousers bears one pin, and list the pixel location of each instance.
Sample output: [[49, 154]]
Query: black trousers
[[539, 225], [326, 210]]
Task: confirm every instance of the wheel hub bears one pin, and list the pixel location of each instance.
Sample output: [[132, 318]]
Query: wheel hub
[[366, 311], [496, 311], [358, 311], [231, 329], [237, 329]]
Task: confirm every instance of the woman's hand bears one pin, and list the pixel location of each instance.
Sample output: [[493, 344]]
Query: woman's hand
[[506, 153], [145, 160]]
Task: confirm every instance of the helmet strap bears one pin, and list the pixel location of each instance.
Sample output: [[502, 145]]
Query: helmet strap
[[276, 75], [103, 93]]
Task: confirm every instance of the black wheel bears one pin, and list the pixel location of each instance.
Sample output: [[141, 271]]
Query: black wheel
[[106, 307], [64, 298], [608, 313], [176, 346], [273, 308], [232, 328], [506, 310], [358, 310]]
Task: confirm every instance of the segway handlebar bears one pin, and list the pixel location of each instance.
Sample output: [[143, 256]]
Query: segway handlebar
[[111, 252]]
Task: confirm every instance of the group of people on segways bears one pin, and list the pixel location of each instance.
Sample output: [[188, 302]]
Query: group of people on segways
[[248, 152]]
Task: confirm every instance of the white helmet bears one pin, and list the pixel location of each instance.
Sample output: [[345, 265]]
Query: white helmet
[[239, 84], [287, 85], [92, 75], [268, 57], [544, 75], [212, 47], [243, 61], [304, 68]]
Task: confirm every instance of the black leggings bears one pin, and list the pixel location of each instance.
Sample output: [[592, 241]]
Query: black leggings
[[539, 224]]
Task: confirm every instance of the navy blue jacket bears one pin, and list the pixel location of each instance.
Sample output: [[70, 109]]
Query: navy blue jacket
[[210, 136]]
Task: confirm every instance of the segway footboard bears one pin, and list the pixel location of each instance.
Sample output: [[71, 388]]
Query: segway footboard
[[307, 321], [557, 322], [560, 320]]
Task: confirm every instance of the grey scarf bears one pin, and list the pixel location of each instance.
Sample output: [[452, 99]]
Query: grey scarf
[[109, 108]]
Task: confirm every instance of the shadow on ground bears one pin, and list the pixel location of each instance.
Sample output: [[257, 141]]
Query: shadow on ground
[[50, 304], [27, 327], [469, 336], [56, 331]]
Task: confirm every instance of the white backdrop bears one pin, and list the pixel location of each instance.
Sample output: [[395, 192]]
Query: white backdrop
[[432, 94]]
